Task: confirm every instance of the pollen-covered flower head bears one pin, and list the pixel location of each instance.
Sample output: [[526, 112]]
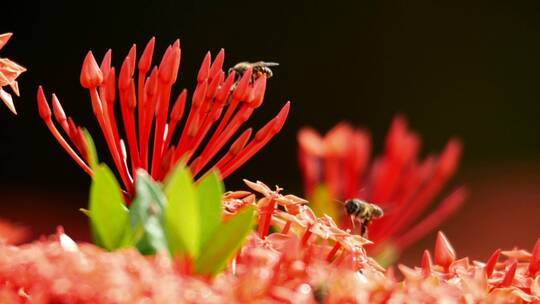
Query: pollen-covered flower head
[[151, 117], [9, 71]]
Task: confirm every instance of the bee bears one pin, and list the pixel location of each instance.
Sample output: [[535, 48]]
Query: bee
[[364, 212], [259, 69]]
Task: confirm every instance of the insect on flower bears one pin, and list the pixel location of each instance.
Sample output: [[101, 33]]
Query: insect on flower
[[399, 181], [259, 68], [363, 212], [216, 113]]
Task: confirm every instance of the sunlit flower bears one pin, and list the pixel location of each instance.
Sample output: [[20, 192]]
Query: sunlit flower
[[513, 280], [9, 71], [318, 236], [220, 104], [399, 181], [279, 268]]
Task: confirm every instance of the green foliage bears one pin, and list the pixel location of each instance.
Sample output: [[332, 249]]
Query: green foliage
[[225, 241], [387, 253], [182, 217], [107, 211], [91, 148], [146, 215], [210, 192], [322, 203]]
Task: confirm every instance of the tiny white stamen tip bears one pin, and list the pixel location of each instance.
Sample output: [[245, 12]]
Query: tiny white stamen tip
[[67, 243], [165, 132], [123, 148]]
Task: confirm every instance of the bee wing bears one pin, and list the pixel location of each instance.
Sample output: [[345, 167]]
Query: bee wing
[[270, 64], [339, 201]]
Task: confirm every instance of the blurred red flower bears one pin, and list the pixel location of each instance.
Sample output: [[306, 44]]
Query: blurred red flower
[[399, 181]]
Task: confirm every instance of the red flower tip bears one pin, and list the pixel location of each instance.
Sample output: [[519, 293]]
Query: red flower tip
[[91, 76], [200, 94], [509, 275], [109, 89], [240, 142], [170, 63], [175, 60], [534, 264], [218, 64], [444, 252], [426, 263], [225, 89], [146, 58], [43, 105], [282, 116], [132, 58], [214, 85], [492, 262], [204, 70], [59, 113], [4, 38], [151, 85], [124, 79], [275, 125], [449, 158], [179, 104], [243, 86], [106, 64], [257, 93]]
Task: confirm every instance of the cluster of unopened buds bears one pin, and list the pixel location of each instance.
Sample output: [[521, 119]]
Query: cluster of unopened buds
[[220, 104]]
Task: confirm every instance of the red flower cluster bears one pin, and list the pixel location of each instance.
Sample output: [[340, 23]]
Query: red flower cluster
[[514, 280], [9, 71], [220, 104], [398, 181], [296, 265]]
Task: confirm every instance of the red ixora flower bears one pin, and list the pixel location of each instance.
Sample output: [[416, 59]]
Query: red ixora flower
[[9, 71], [398, 181], [220, 104]]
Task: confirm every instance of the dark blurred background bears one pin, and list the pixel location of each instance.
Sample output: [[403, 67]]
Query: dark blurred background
[[454, 68]]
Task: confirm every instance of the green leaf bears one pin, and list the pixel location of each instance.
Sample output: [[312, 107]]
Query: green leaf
[[322, 203], [146, 215], [182, 218], [387, 253], [209, 195], [225, 242], [91, 148], [108, 213]]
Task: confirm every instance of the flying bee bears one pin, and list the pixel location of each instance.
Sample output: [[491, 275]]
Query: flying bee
[[364, 212], [259, 69]]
